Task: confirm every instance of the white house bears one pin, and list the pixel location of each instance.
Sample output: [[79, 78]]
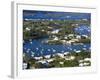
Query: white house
[[71, 41], [55, 38], [47, 56], [61, 62], [66, 37], [38, 58], [87, 59], [70, 35], [55, 31], [65, 53], [86, 64], [78, 51], [78, 37], [50, 60], [81, 64], [81, 61], [70, 58], [85, 36], [74, 40], [60, 55], [63, 41], [28, 29], [24, 65], [42, 61]]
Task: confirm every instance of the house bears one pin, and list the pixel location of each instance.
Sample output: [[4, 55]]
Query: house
[[55, 31], [81, 65], [65, 53], [81, 61], [78, 51], [86, 64], [24, 65], [47, 56], [38, 58], [28, 29], [87, 59], [66, 37], [63, 41], [61, 62], [71, 41], [70, 58], [50, 60], [42, 61], [60, 55], [85, 36], [71, 35], [78, 37], [55, 38], [75, 40]]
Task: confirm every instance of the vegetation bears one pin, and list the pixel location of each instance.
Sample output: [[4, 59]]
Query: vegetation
[[65, 63], [84, 41]]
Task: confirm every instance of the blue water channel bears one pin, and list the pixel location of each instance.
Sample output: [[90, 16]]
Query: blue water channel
[[37, 48]]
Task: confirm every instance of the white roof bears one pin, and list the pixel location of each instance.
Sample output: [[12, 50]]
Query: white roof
[[65, 53], [55, 31], [28, 29], [71, 35], [50, 60], [81, 64], [80, 61], [78, 51], [72, 57], [37, 58], [60, 55], [85, 64], [61, 62], [87, 59], [42, 61], [47, 56], [56, 38]]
